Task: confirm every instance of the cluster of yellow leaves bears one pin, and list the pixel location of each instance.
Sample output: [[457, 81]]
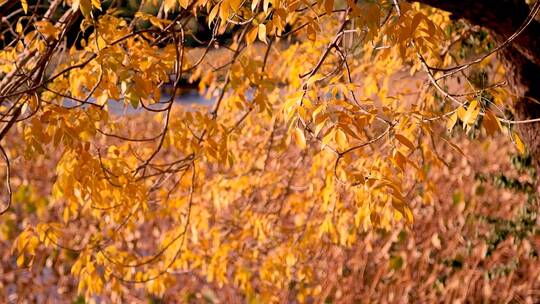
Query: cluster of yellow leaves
[[222, 192]]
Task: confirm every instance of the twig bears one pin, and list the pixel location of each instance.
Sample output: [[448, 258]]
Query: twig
[[8, 181]]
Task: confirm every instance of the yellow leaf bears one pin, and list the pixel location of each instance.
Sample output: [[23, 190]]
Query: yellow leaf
[[292, 102], [298, 136], [18, 27], [184, 3], [235, 4], [491, 123], [470, 116], [32, 244], [319, 110], [24, 4], [96, 4], [224, 10], [169, 5], [251, 35], [341, 139], [461, 112], [408, 214], [451, 122], [329, 6], [290, 260], [404, 140], [329, 136], [402, 208], [436, 241], [314, 79], [213, 14], [456, 147], [400, 160], [416, 21], [84, 5], [519, 144], [319, 126], [47, 29], [262, 33], [20, 260], [254, 4]]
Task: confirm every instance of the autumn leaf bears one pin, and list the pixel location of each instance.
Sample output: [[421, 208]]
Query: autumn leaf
[[24, 4], [169, 5], [47, 29], [252, 35], [491, 123], [405, 141], [519, 144], [96, 4], [329, 6], [299, 138], [184, 3], [85, 6], [341, 139], [451, 122], [262, 33], [213, 14], [470, 115]]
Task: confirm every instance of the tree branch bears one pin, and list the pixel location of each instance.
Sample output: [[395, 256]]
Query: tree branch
[[501, 17]]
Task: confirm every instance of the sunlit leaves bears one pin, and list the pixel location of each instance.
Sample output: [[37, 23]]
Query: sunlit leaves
[[47, 29], [313, 137], [85, 6]]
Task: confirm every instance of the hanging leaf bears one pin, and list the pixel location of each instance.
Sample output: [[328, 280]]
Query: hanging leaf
[[470, 115], [213, 14], [299, 138], [519, 144], [491, 123], [451, 122], [329, 6], [252, 35], [24, 4], [169, 5], [404, 140], [341, 139], [262, 33]]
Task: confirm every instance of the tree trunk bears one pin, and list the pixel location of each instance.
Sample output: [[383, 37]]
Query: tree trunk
[[521, 58], [524, 78]]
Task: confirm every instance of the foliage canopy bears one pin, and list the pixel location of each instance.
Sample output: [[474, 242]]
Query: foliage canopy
[[324, 123]]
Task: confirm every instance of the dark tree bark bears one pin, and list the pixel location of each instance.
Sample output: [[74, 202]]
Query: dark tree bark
[[521, 58]]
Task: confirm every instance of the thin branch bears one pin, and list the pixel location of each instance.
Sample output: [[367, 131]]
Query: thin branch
[[8, 181]]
